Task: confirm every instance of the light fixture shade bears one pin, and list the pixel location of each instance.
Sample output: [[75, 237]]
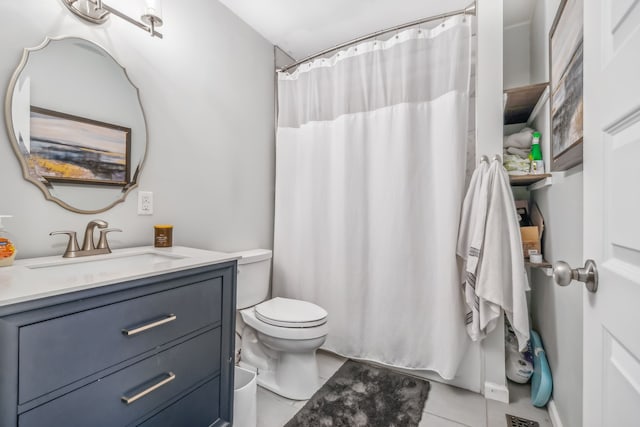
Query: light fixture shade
[[152, 11]]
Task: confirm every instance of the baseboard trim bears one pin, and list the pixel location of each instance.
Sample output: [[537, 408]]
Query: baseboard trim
[[554, 414], [499, 392]]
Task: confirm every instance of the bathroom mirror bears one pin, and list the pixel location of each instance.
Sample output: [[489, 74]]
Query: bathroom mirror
[[76, 124]]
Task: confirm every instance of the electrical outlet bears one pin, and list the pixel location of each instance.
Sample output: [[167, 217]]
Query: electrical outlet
[[145, 203]]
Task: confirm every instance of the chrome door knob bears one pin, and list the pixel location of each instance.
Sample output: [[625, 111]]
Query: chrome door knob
[[563, 274]]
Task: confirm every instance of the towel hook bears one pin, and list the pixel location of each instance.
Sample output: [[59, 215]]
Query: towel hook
[[497, 158], [484, 158]]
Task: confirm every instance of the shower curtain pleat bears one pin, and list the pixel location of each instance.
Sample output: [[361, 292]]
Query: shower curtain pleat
[[370, 171]]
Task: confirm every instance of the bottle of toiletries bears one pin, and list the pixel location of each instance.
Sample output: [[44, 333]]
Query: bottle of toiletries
[[7, 249], [537, 164]]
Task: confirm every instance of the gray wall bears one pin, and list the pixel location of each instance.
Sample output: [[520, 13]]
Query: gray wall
[[208, 92], [556, 311], [516, 64]]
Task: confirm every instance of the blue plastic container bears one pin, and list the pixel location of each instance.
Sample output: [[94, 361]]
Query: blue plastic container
[[541, 382]]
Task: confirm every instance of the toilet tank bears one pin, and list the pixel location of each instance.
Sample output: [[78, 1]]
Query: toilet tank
[[254, 276]]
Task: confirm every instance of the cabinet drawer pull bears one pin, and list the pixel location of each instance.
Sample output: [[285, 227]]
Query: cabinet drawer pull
[[138, 329], [130, 399]]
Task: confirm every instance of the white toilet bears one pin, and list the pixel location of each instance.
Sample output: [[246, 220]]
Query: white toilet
[[281, 335]]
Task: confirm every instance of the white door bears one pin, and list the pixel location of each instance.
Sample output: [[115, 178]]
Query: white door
[[612, 212]]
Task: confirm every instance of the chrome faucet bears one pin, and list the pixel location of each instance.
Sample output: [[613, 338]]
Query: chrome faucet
[[88, 244]]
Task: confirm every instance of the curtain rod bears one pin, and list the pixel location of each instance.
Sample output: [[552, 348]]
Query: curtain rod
[[469, 10]]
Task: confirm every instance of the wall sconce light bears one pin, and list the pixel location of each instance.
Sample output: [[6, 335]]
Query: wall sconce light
[[97, 12]]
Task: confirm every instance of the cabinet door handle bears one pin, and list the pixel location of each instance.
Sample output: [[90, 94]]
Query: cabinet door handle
[[136, 330], [130, 399]]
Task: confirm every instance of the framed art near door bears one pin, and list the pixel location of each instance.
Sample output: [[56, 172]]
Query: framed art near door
[[566, 76]]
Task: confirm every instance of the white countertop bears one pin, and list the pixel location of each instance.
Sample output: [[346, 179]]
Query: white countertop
[[35, 278]]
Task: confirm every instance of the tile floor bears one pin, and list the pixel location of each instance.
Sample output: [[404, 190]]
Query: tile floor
[[446, 406]]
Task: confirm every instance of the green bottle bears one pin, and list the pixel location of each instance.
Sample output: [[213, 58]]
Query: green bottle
[[537, 165]]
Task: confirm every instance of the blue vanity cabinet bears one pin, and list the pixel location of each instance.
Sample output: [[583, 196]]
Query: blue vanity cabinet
[[156, 351]]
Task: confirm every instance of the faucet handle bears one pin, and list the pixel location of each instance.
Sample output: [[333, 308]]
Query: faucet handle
[[102, 243], [72, 246]]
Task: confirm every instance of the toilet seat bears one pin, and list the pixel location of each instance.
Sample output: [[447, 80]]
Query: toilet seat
[[290, 313], [310, 333]]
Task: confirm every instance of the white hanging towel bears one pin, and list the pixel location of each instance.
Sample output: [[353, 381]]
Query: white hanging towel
[[470, 239], [490, 245]]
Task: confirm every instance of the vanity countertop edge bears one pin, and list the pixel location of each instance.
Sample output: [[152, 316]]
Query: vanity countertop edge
[[29, 279]]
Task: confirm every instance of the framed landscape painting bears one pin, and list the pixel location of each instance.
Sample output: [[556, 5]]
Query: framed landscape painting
[[73, 149], [565, 63]]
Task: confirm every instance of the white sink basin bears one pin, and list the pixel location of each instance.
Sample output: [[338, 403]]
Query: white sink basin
[[105, 264], [35, 278]]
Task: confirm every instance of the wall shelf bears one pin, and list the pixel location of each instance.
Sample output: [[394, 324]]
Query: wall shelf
[[520, 103], [521, 106], [525, 180], [546, 267]]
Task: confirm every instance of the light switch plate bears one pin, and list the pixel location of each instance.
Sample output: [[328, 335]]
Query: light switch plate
[[145, 203]]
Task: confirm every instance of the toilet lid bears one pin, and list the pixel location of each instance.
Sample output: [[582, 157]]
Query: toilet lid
[[291, 313]]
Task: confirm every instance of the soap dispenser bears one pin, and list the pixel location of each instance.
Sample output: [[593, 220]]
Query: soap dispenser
[[7, 249]]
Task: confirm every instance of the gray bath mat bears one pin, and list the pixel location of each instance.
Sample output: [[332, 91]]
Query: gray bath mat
[[361, 395]]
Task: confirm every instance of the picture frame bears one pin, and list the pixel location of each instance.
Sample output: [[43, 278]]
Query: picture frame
[[566, 84], [77, 150]]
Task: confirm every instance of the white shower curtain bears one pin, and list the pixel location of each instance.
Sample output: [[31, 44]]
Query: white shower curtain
[[370, 170]]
